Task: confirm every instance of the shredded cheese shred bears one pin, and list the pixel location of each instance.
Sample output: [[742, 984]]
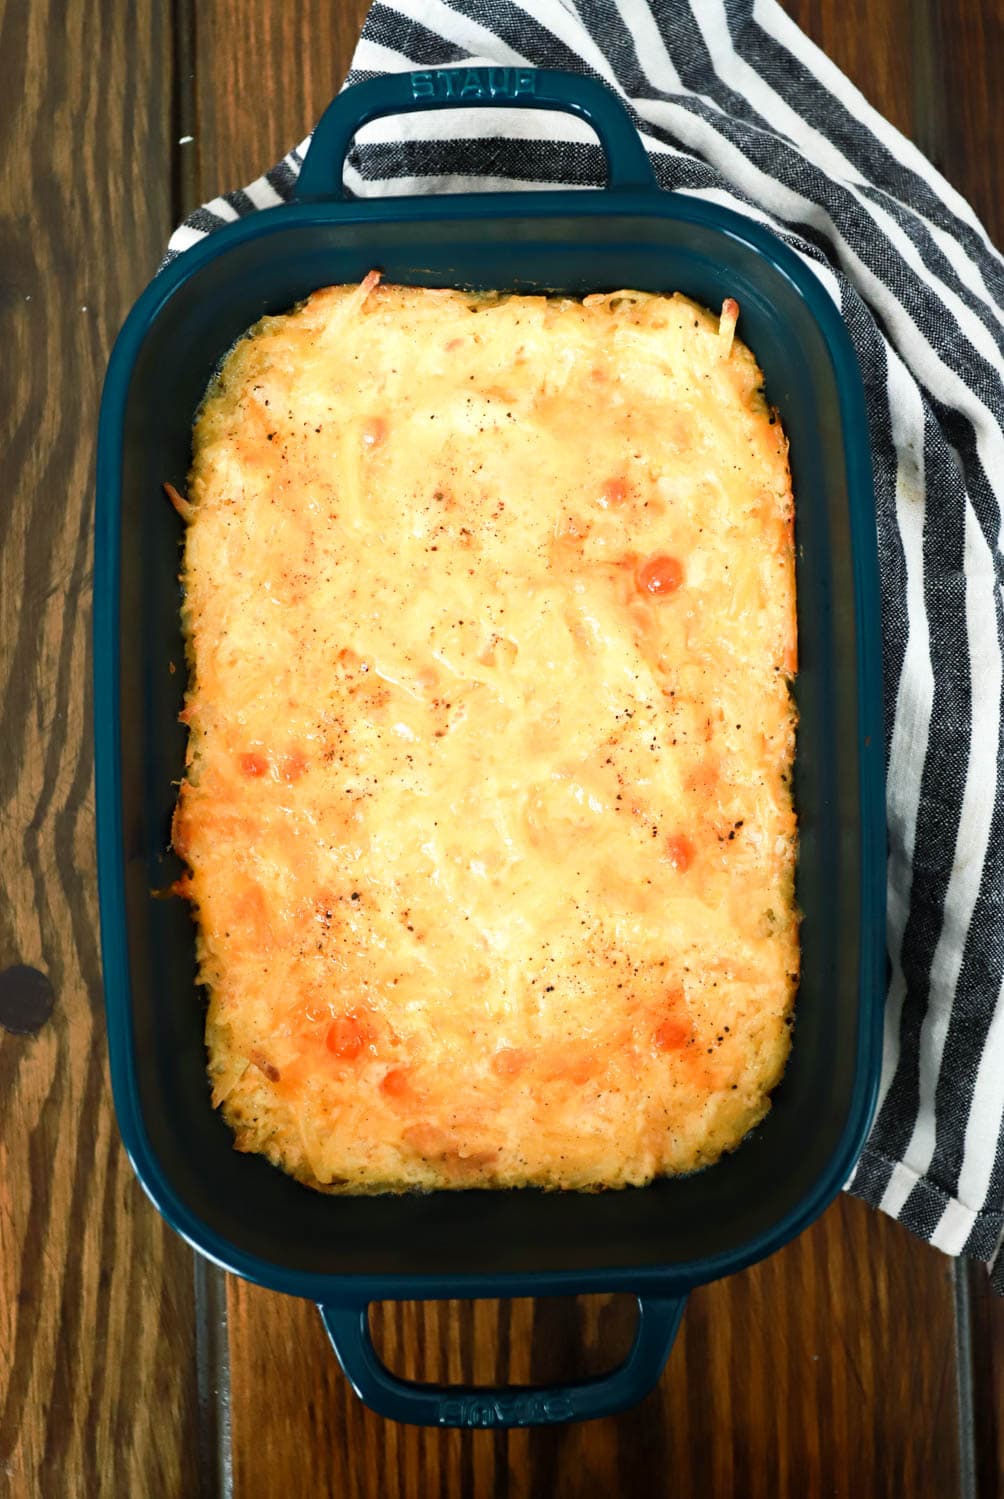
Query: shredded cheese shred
[[490, 608]]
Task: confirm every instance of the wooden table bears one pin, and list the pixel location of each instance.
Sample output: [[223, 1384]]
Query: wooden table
[[856, 1362]]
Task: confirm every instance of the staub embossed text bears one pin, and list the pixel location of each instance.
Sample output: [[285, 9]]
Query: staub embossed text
[[474, 83], [505, 1410]]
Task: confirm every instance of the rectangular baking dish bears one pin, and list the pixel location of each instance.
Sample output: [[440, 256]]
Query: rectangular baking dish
[[657, 1241]]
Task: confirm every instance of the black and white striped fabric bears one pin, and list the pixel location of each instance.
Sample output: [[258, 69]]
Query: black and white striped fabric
[[736, 106]]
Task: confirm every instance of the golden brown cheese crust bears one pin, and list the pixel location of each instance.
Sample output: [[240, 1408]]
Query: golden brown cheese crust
[[491, 621]]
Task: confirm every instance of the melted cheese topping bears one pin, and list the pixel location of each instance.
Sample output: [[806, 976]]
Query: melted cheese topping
[[490, 606]]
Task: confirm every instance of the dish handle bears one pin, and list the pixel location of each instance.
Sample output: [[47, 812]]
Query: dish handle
[[628, 166], [466, 1406]]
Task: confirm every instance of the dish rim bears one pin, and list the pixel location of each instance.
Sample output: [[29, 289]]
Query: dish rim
[[339, 1286]]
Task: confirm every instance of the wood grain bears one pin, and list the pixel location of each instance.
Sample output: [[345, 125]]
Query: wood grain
[[97, 1390], [782, 1378], [986, 1374], [264, 71], [971, 51], [932, 68], [872, 44]]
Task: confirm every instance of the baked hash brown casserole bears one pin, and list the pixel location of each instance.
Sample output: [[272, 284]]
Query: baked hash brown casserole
[[490, 611]]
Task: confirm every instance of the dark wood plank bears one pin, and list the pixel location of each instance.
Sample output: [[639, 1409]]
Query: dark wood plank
[[264, 72], [970, 37], [808, 1374], [986, 1372], [872, 44], [931, 67], [97, 1388]]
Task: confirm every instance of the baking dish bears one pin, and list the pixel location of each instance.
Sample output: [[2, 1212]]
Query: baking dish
[[657, 1241]]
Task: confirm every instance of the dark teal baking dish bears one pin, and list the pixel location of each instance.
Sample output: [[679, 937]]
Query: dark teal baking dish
[[657, 1241]]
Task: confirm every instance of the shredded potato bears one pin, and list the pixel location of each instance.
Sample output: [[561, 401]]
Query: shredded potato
[[491, 622]]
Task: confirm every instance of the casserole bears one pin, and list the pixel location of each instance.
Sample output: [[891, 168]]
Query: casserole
[[657, 1241], [488, 806]]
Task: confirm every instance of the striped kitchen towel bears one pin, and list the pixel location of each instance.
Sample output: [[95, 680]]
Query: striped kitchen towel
[[736, 106]]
